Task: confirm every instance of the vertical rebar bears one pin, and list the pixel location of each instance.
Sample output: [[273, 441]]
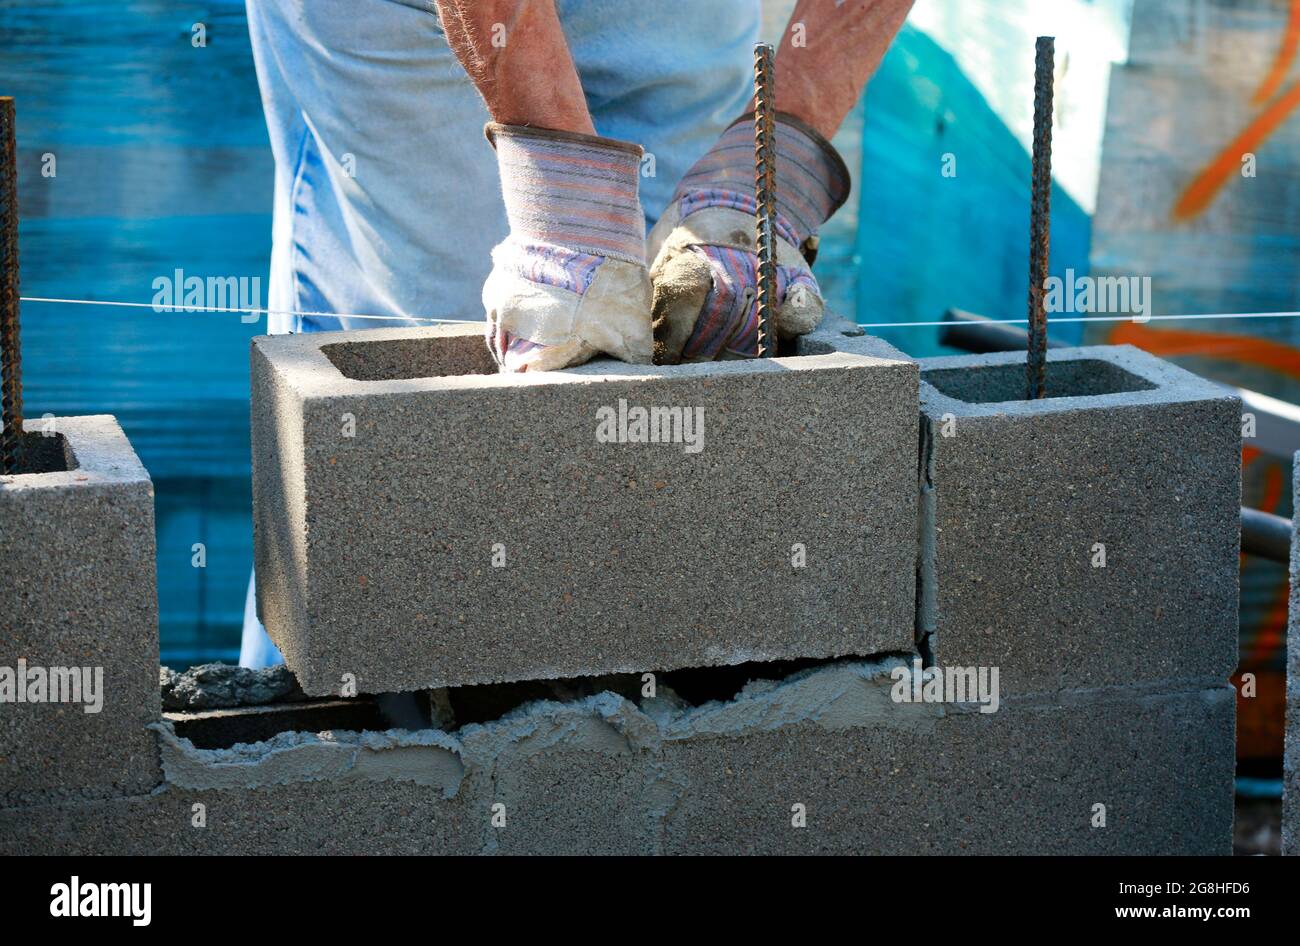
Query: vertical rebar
[[765, 196], [11, 384], [1040, 217]]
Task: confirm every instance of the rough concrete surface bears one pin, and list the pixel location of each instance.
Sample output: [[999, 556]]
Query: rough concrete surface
[[78, 590], [1080, 541], [1018, 497], [604, 775], [1291, 761], [375, 552]]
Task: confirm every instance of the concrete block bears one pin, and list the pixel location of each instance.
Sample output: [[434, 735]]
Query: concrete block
[[1086, 539], [606, 775], [298, 819], [1024, 780], [585, 777], [79, 614], [394, 471], [1128, 452], [1291, 759]]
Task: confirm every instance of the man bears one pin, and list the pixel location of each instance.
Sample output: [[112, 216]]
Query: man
[[605, 117]]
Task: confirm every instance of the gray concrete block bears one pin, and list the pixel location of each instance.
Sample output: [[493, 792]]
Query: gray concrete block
[[1127, 451], [375, 551], [1085, 539], [304, 818], [1024, 780], [77, 574], [1291, 759], [575, 778], [604, 775]]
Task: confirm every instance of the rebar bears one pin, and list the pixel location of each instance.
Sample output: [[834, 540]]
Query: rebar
[[1040, 217], [765, 196], [11, 385]]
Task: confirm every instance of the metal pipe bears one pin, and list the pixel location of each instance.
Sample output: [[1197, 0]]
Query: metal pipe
[[1040, 217], [1276, 423], [765, 196], [977, 334], [11, 385], [1265, 535]]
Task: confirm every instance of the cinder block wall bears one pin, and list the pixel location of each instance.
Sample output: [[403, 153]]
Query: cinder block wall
[[829, 758], [823, 761]]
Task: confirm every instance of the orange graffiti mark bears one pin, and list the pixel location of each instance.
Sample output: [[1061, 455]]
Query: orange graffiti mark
[[1285, 57], [1210, 181], [1263, 352]]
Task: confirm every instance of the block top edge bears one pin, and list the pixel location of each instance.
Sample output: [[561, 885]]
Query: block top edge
[[103, 454], [313, 340], [300, 360], [1162, 382]]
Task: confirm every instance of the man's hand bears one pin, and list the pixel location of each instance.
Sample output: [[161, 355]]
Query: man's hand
[[704, 264], [570, 281], [702, 250]]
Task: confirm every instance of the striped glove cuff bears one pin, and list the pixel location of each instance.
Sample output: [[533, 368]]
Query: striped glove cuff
[[811, 179], [569, 190]]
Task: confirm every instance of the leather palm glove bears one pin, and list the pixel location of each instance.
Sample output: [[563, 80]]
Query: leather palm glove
[[704, 265], [570, 281]]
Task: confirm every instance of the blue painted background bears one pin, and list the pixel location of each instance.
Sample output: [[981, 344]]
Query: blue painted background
[[162, 162], [926, 243]]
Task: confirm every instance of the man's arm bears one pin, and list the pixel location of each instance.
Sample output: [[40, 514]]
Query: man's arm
[[517, 57], [570, 281], [840, 46], [704, 272]]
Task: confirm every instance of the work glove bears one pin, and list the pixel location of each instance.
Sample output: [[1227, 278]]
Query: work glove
[[570, 281], [704, 267]]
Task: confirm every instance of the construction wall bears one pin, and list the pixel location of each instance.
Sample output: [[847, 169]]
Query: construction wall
[[822, 761], [1096, 717]]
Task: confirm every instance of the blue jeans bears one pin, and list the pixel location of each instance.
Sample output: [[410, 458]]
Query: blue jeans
[[387, 201]]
